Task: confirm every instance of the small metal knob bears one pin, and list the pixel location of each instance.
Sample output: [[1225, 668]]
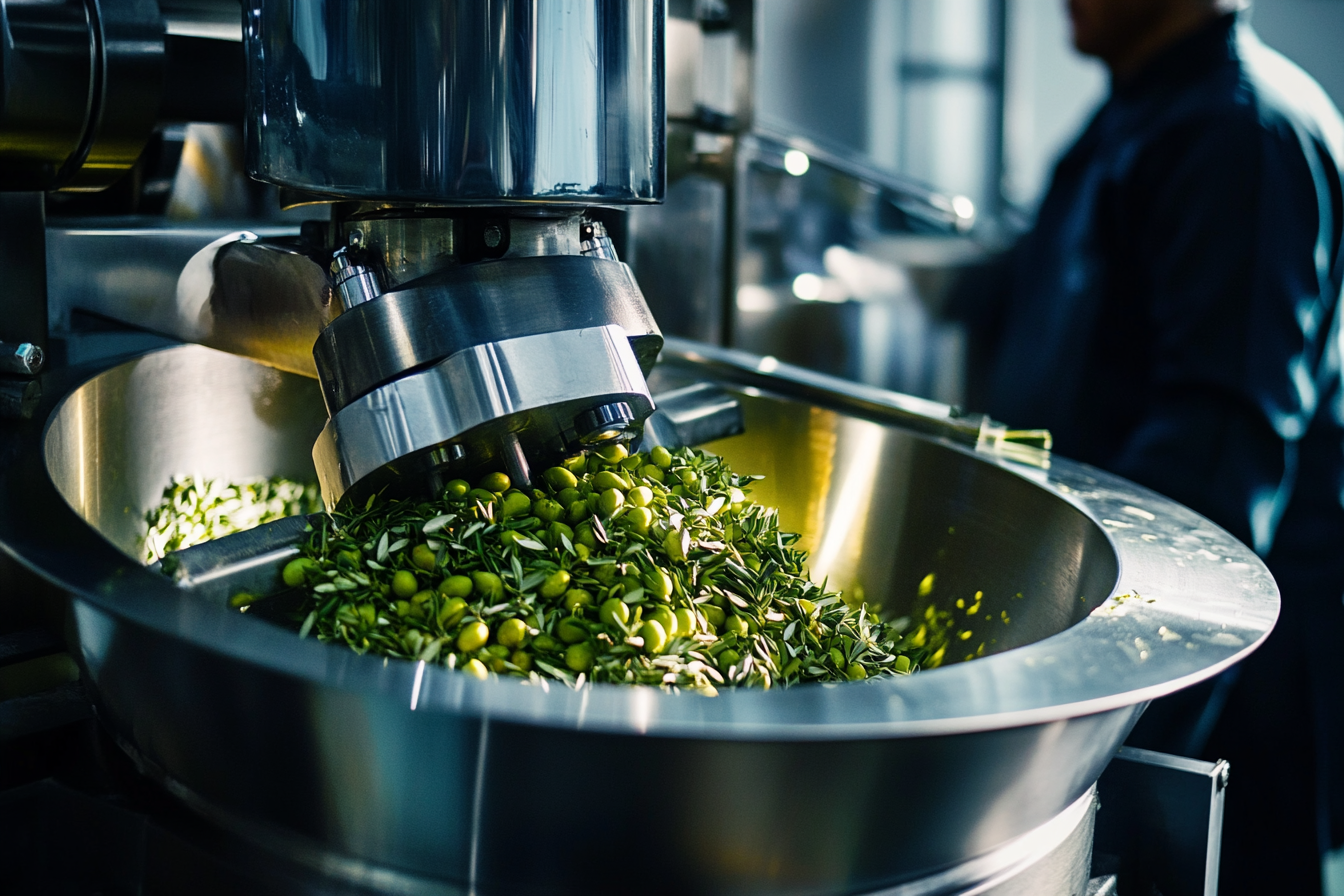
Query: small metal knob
[[354, 275]]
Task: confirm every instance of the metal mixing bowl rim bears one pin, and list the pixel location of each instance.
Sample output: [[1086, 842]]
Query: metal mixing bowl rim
[[1189, 602]]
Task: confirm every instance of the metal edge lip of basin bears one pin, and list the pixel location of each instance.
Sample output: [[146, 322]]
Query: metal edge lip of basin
[[551, 377], [1205, 602]]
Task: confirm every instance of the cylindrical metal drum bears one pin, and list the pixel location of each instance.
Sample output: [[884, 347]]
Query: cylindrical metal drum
[[458, 101]]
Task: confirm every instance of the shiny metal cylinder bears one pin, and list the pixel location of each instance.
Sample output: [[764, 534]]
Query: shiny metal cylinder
[[458, 101], [82, 82]]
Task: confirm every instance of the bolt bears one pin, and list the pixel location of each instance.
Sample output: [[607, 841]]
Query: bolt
[[493, 236]]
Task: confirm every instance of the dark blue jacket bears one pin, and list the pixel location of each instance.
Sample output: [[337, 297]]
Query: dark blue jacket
[[1171, 316]]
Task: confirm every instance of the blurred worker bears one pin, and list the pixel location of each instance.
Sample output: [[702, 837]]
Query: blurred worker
[[1172, 318]]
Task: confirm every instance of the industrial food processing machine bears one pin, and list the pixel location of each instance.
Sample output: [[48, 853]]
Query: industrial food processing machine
[[462, 308]]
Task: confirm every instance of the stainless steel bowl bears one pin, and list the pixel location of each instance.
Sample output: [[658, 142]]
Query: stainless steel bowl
[[419, 777]]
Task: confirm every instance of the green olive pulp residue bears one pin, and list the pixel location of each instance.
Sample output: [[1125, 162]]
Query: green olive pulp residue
[[194, 510], [651, 569]]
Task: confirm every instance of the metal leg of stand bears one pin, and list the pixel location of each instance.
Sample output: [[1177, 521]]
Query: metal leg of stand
[[1160, 825]]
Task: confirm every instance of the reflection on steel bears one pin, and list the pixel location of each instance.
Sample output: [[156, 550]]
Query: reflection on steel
[[460, 101], [531, 388], [466, 305], [692, 415], [1125, 596], [263, 299]]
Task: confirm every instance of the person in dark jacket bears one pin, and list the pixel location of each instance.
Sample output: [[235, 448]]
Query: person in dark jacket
[[1172, 318]]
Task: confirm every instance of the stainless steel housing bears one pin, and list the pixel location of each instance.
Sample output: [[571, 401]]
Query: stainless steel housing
[[426, 780], [458, 101]]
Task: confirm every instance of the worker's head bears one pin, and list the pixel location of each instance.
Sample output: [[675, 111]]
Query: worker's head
[[1125, 33]]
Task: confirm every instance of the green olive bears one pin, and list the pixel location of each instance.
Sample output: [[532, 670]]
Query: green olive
[[473, 636], [296, 571], [242, 599], [578, 511], [453, 609], [490, 586], [548, 510], [654, 635], [568, 496], [559, 478], [577, 598], [485, 496], [736, 625], [666, 619], [688, 477], [368, 613], [855, 672], [509, 537], [728, 658], [685, 621], [403, 607], [615, 612], [544, 642], [476, 669], [713, 614], [522, 659], [575, 464], [579, 657], [672, 546], [639, 519], [658, 583], [607, 479], [421, 597], [515, 504], [611, 501], [512, 633], [584, 535], [556, 529], [661, 457], [495, 482], [495, 664], [424, 558], [633, 462], [641, 496], [555, 584], [404, 584], [651, 473], [606, 573], [455, 586], [613, 454], [571, 631], [457, 488], [581, 550]]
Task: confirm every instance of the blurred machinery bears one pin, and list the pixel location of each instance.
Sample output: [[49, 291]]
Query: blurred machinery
[[801, 136]]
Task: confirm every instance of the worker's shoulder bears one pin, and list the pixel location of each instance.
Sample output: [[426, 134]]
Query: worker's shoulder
[[1283, 97]]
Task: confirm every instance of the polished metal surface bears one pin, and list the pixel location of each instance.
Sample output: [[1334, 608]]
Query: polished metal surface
[[692, 415], [466, 305], [82, 83], [400, 772], [528, 389], [259, 298], [458, 101]]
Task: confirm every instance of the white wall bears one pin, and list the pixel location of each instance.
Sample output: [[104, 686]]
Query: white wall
[[1050, 92]]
